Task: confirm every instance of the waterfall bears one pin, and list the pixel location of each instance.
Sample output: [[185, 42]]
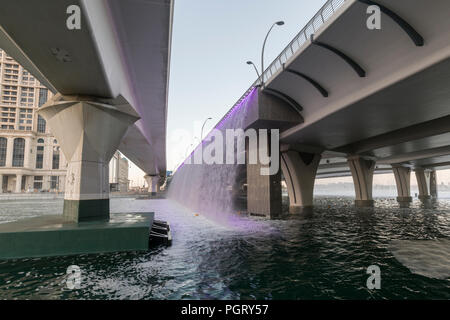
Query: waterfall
[[211, 189]]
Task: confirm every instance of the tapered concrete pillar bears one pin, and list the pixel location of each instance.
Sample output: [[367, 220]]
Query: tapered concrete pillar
[[153, 184], [433, 185], [89, 130], [299, 170], [263, 191], [423, 182], [362, 173], [1, 183], [18, 183], [403, 181]]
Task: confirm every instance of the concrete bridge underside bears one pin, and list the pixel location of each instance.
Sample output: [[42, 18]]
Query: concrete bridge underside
[[370, 101], [387, 104], [111, 76]]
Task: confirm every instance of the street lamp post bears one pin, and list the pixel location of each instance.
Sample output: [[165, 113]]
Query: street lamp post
[[278, 23], [256, 69], [187, 150], [201, 134]]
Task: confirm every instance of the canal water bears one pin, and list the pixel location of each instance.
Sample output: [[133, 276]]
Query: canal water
[[323, 256]]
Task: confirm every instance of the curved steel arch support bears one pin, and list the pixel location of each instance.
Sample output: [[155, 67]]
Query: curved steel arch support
[[321, 89], [294, 104], [358, 69], [410, 31]]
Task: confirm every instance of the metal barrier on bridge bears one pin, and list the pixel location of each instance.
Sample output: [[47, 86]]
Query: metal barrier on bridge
[[325, 13]]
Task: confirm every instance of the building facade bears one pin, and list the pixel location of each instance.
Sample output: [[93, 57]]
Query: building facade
[[118, 173], [30, 157]]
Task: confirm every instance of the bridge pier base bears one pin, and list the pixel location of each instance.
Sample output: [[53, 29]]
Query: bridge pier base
[[362, 174], [403, 181], [423, 182], [299, 170], [153, 184], [89, 131]]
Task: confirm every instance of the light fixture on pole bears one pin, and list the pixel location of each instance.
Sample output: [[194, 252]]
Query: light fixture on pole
[[256, 69], [201, 135], [278, 23]]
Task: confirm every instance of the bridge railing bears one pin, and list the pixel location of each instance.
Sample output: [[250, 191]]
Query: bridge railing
[[325, 13]]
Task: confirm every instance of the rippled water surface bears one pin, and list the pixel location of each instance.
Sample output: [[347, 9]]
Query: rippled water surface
[[323, 256]]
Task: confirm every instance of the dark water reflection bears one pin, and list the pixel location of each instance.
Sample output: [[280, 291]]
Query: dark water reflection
[[323, 256]]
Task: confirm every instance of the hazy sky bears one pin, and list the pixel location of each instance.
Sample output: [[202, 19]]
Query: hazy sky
[[212, 40]]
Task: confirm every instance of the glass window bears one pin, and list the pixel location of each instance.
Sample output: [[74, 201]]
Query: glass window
[[3, 149], [40, 157], [41, 125], [55, 164], [18, 152], [38, 182], [43, 95], [54, 182]]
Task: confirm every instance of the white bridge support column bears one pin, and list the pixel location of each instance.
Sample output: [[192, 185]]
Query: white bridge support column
[[153, 184], [362, 173], [89, 130], [433, 185], [299, 170], [403, 182], [423, 182]]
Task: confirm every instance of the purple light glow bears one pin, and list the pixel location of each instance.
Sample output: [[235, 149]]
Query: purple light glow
[[243, 101]]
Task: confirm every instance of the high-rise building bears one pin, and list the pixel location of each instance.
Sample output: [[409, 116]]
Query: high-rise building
[[30, 157], [118, 173]]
